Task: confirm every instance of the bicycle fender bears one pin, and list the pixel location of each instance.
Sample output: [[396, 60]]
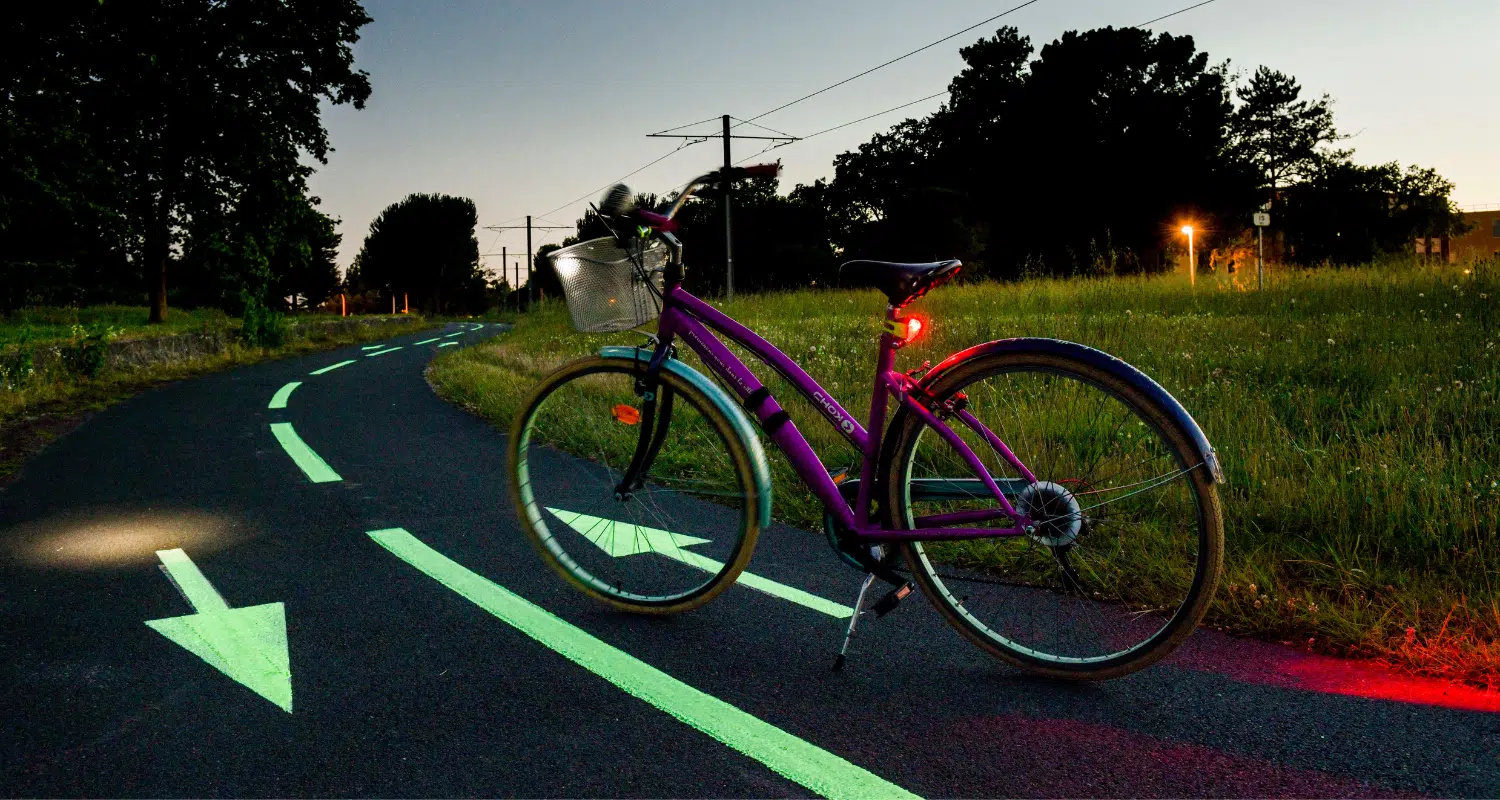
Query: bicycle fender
[[1099, 359], [759, 466]]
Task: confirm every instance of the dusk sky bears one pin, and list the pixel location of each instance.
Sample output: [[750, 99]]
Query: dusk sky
[[525, 106]]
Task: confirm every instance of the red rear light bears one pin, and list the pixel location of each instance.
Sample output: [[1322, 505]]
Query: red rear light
[[913, 329]]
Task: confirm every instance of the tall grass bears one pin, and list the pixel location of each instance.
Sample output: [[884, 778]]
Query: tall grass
[[1354, 411]]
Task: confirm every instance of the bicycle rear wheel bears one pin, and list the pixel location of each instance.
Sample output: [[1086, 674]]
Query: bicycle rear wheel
[[672, 544], [1129, 538]]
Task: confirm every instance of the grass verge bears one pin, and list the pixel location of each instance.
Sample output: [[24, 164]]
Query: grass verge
[[38, 406], [1354, 411]]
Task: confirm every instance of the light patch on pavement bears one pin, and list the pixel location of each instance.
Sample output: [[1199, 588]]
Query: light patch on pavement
[[311, 463], [795, 759], [111, 538]]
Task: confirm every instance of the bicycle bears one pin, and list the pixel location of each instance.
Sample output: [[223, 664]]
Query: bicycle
[[1085, 545]]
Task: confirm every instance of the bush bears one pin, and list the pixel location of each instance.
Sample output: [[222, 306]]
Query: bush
[[84, 357], [262, 327]]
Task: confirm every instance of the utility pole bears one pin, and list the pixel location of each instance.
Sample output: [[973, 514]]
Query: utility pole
[[725, 185], [528, 227]]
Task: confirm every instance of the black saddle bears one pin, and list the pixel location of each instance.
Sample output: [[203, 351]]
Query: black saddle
[[902, 283]]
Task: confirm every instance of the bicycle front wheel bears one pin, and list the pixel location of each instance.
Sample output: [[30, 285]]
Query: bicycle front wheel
[[1128, 541], [671, 542]]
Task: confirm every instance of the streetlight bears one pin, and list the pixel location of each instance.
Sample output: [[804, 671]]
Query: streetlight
[[1192, 258]]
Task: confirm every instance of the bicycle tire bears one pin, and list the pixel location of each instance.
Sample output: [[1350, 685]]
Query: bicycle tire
[[1112, 378], [588, 480]]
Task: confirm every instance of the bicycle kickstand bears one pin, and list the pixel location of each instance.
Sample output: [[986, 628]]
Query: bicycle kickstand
[[859, 605]]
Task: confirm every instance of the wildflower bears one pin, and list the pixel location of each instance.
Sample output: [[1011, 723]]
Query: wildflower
[[1252, 588], [1459, 316], [1458, 384], [1257, 604], [1313, 607], [1421, 294], [1330, 341], [1127, 312]]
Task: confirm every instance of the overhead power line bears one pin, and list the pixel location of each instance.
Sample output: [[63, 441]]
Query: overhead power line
[[1173, 14], [586, 195], [892, 61]]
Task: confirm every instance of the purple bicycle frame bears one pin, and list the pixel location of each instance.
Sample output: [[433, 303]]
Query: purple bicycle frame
[[690, 318]]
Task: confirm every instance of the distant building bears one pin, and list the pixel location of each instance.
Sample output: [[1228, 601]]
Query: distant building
[[1482, 240]]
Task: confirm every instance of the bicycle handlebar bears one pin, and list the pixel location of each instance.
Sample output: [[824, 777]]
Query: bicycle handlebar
[[768, 170]]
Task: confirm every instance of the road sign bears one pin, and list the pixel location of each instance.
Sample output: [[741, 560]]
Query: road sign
[[1262, 219], [247, 644], [628, 539]]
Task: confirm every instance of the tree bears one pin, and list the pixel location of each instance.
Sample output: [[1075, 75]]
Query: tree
[[1344, 213], [1284, 137], [192, 101], [424, 246]]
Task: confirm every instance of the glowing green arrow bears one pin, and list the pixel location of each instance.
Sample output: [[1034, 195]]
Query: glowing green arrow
[[247, 644], [621, 539]]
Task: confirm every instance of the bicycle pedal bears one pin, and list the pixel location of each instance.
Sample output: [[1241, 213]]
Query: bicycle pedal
[[893, 598]]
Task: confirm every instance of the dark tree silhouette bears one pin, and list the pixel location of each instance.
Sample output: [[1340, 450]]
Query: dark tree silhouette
[[424, 246], [1285, 137]]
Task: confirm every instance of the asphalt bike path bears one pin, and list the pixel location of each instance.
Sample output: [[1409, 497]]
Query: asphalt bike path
[[430, 652]]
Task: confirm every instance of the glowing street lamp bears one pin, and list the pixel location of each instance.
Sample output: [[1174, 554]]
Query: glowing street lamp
[[1192, 257]]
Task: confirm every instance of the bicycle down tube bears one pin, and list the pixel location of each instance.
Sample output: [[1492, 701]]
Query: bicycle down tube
[[686, 316]]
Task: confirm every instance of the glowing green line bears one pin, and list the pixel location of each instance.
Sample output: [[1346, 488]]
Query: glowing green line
[[796, 759], [200, 594], [453, 334], [331, 367], [316, 468], [629, 539], [427, 341], [382, 352], [279, 399], [447, 344], [372, 347]]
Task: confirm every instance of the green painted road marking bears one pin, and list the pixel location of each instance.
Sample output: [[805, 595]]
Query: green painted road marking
[[372, 347], [455, 333], [795, 759], [427, 341], [316, 468], [279, 399], [447, 344], [636, 539], [331, 367], [382, 352], [247, 644]]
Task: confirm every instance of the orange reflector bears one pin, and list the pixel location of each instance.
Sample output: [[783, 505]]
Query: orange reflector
[[627, 414]]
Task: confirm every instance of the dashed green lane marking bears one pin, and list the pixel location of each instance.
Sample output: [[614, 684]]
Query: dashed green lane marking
[[455, 333], [447, 344], [803, 762], [316, 468], [372, 347], [279, 399], [382, 352], [427, 341], [331, 367]]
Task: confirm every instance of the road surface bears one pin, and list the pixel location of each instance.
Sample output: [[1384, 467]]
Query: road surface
[[226, 586]]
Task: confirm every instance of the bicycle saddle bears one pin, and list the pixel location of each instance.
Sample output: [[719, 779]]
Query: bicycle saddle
[[902, 283]]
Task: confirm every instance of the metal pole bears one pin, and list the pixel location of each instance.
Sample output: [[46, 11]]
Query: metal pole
[[1260, 258], [1192, 261], [728, 246], [530, 289]]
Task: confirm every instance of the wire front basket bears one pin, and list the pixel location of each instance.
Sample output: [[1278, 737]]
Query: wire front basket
[[609, 287]]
